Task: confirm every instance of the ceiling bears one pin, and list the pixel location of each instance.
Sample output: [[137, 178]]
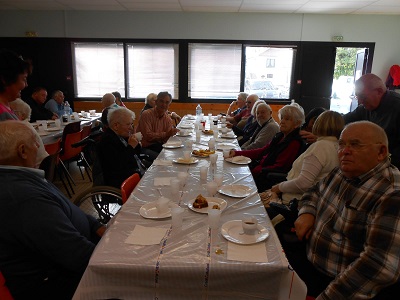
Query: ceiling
[[384, 7]]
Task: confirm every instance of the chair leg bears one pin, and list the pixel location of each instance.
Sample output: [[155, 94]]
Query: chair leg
[[86, 166], [68, 176], [59, 171]]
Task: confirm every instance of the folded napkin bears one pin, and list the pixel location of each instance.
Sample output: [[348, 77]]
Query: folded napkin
[[146, 235], [183, 160], [251, 253], [239, 158], [160, 181], [162, 162]]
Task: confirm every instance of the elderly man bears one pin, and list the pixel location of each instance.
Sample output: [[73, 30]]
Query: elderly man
[[46, 241], [107, 102], [150, 102], [351, 221], [36, 102], [56, 103], [118, 147], [156, 126], [380, 106], [240, 103], [240, 119]]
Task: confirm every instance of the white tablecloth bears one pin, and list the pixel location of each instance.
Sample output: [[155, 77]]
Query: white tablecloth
[[192, 263]]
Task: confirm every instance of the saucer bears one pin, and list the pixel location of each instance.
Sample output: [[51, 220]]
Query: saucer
[[233, 232], [149, 211]]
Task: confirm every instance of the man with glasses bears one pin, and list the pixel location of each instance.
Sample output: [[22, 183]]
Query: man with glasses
[[380, 106], [350, 222], [240, 119], [118, 147]]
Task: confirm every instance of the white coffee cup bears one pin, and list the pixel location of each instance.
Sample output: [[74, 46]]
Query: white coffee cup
[[92, 112], [162, 205], [139, 136], [250, 225], [57, 123]]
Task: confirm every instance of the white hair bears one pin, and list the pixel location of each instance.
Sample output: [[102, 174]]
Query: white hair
[[115, 114]]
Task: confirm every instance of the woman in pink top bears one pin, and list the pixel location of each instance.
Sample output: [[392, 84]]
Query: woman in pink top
[[13, 74]]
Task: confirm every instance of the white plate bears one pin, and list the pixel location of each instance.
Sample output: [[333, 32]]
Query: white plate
[[225, 146], [54, 129], [190, 117], [149, 211], [244, 161], [235, 190], [228, 136], [211, 201], [183, 135], [186, 126], [233, 232], [173, 145], [181, 160]]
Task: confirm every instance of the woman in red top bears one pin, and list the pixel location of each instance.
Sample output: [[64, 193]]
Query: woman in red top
[[281, 152]]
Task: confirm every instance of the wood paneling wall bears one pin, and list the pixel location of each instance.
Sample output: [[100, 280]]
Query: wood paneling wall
[[180, 108]]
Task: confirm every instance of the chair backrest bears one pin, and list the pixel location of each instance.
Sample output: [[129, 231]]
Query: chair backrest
[[86, 130], [69, 151], [69, 128], [4, 291], [128, 185], [53, 148]]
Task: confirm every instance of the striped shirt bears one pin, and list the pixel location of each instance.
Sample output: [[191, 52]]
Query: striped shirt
[[356, 236]]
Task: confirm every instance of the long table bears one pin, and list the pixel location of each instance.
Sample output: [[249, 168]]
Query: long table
[[52, 135], [191, 263]]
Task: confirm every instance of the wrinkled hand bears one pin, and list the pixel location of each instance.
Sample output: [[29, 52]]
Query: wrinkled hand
[[229, 125], [304, 226], [133, 141], [308, 136], [268, 196], [55, 116], [232, 153]]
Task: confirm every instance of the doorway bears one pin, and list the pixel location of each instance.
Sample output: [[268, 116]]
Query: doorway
[[350, 64]]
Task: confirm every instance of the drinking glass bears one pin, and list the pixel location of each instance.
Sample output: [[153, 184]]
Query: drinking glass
[[177, 216], [212, 188], [213, 217]]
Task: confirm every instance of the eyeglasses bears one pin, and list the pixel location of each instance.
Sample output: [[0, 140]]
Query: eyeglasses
[[354, 145], [248, 102]]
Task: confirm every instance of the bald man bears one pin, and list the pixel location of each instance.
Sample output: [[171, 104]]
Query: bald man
[[380, 106], [46, 241], [351, 222]]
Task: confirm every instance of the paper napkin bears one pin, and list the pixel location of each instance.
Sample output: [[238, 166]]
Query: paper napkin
[[145, 236], [160, 181], [251, 253]]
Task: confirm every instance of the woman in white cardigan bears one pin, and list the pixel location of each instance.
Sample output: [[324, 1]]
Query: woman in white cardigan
[[314, 164]]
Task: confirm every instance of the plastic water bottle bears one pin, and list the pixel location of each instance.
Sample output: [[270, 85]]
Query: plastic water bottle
[[199, 110], [67, 111]]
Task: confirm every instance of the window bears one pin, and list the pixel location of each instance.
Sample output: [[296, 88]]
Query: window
[[214, 70], [268, 71], [99, 69], [152, 68]]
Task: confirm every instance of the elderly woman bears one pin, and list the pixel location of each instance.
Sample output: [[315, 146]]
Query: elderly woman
[[266, 130], [315, 163], [279, 154], [23, 111]]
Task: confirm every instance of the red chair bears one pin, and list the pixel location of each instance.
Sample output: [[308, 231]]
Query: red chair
[[128, 185], [4, 291]]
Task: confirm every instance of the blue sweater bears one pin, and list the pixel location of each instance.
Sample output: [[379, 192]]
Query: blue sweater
[[42, 234]]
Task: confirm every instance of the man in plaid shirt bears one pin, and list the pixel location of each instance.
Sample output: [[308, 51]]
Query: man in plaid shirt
[[350, 222]]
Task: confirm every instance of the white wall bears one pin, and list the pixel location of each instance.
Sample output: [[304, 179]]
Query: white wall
[[382, 30]]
